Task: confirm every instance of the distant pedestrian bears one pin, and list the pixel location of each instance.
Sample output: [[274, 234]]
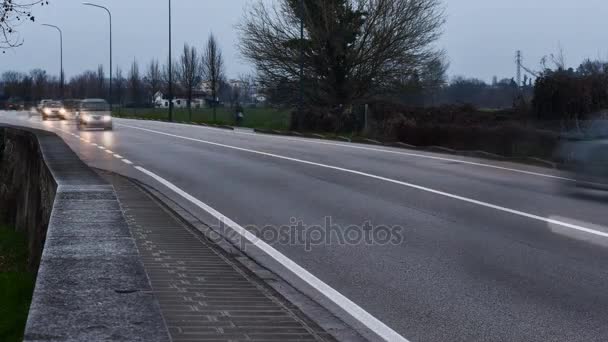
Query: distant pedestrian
[[239, 115]]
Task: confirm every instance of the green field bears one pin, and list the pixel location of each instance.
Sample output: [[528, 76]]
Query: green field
[[16, 285], [263, 118]]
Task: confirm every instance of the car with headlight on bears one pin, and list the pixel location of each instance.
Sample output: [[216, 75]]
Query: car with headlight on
[[584, 156], [52, 109], [94, 113], [41, 105], [71, 108]]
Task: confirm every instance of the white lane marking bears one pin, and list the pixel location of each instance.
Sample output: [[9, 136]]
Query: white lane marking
[[408, 154], [118, 156], [331, 294], [127, 161], [394, 181], [109, 152], [101, 147], [94, 144]]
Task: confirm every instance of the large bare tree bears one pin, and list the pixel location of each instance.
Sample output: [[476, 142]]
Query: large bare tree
[[12, 14], [189, 73], [213, 69], [352, 50]]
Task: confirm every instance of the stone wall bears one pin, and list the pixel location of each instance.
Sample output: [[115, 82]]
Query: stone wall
[[91, 284]]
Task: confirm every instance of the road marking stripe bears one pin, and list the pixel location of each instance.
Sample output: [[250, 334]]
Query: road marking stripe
[[331, 294], [408, 154], [118, 156], [101, 147], [127, 161], [394, 181], [109, 152]]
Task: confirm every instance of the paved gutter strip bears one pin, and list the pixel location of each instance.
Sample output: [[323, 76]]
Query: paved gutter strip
[[204, 293]]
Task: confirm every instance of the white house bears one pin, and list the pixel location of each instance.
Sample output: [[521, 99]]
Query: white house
[[161, 102]]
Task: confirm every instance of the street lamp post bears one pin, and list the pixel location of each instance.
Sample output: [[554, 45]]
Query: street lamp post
[[170, 70], [61, 75], [110, 16], [301, 97]]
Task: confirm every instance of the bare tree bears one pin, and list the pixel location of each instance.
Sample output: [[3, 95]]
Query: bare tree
[[154, 78], [165, 77], [134, 84], [189, 73], [119, 87], [12, 81], [352, 49], [12, 14], [40, 80], [247, 88], [213, 69], [101, 82]]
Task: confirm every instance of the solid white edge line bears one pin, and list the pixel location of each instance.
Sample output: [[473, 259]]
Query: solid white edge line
[[371, 322], [407, 154], [394, 181]]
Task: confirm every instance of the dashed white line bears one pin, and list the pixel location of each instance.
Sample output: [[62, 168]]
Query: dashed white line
[[101, 147], [393, 181], [118, 156], [127, 161], [357, 312], [109, 152]]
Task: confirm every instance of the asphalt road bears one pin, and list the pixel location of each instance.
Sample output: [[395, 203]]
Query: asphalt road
[[491, 251]]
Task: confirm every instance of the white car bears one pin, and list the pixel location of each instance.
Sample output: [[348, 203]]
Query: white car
[[94, 113], [52, 109]]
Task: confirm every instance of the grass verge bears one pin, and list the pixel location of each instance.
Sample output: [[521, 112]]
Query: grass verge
[[262, 118], [16, 285]]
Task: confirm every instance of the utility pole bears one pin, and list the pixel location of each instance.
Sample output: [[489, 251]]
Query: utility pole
[[518, 60], [170, 70]]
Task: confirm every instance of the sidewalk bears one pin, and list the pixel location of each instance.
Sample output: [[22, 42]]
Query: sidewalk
[[204, 294]]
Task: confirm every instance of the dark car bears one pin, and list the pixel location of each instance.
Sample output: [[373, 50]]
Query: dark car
[[15, 104], [584, 153]]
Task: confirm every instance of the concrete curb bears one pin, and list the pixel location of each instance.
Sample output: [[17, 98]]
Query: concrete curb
[[91, 284]]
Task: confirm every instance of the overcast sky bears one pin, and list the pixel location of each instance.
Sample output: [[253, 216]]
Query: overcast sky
[[481, 36]]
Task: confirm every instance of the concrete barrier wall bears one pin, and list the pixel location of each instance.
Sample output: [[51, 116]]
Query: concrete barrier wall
[[91, 284], [27, 189]]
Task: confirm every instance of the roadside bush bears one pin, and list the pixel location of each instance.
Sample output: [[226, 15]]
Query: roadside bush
[[509, 140], [337, 120]]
